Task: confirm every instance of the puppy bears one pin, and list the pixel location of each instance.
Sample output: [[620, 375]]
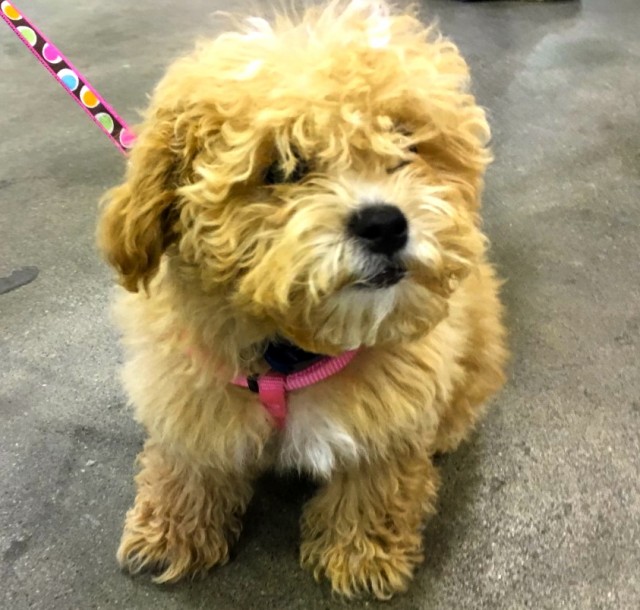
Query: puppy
[[306, 287]]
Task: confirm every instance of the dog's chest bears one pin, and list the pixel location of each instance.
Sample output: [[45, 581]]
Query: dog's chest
[[313, 441]]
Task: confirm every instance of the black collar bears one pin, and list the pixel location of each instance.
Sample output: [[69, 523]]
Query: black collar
[[285, 357]]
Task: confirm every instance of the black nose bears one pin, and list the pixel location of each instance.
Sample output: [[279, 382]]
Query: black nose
[[382, 227]]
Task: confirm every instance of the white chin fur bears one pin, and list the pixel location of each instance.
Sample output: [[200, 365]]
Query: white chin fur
[[359, 313]]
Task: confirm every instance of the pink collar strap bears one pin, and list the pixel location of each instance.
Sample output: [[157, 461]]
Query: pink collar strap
[[272, 387]]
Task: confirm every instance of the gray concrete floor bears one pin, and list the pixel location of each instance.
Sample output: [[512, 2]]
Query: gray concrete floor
[[540, 510]]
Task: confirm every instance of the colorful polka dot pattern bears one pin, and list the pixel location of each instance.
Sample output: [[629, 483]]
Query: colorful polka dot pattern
[[75, 84]]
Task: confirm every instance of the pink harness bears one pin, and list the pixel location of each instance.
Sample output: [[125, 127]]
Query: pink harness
[[272, 387]]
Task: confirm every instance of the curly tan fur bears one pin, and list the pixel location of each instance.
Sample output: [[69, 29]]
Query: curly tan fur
[[184, 518], [375, 107], [363, 529]]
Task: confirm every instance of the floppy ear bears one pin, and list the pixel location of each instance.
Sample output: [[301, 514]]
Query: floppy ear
[[135, 226]]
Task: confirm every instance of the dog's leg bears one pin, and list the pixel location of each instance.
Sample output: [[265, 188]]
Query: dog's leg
[[459, 418], [483, 365], [483, 379], [363, 530], [184, 517]]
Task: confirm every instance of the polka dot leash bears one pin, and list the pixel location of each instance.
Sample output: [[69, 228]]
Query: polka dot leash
[[66, 74]]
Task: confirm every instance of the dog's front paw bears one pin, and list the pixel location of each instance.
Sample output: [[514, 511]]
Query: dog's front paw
[[167, 548], [362, 565]]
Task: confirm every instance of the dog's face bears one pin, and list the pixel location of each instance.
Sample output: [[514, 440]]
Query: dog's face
[[324, 177]]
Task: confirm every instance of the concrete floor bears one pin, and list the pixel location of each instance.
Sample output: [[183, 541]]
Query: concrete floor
[[540, 510]]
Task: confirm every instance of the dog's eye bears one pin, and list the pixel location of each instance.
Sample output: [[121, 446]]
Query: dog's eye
[[407, 133], [398, 167], [413, 150], [276, 174]]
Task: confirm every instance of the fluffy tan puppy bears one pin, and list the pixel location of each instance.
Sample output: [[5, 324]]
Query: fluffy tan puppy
[[311, 183]]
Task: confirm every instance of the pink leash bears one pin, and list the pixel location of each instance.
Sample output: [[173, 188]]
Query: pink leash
[[271, 387], [76, 85]]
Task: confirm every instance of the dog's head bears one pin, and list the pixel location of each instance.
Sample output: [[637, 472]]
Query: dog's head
[[324, 176]]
